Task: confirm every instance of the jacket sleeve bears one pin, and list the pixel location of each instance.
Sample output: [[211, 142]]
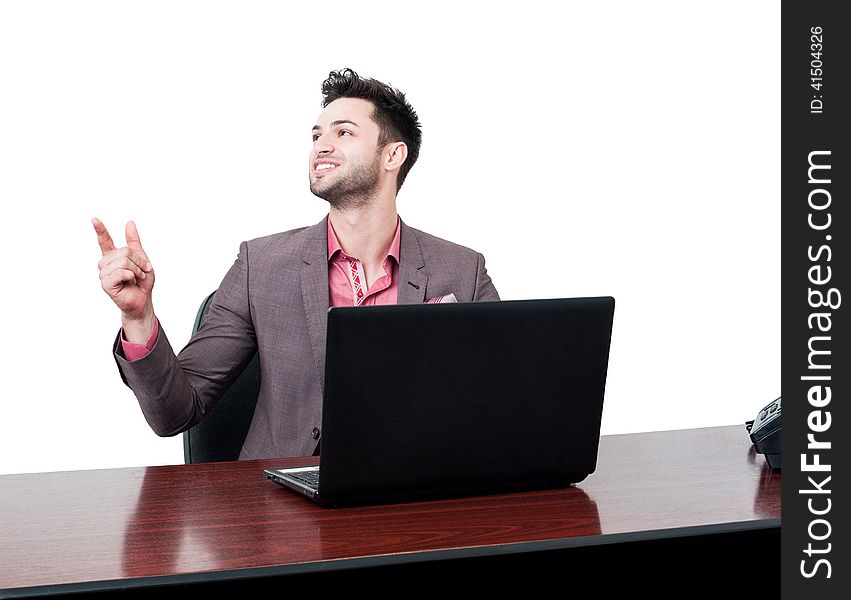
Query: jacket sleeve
[[485, 289], [176, 391]]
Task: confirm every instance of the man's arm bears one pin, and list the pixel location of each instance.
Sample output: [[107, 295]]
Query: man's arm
[[175, 392], [485, 289]]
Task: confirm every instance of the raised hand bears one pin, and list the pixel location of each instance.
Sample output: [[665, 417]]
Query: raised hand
[[126, 275]]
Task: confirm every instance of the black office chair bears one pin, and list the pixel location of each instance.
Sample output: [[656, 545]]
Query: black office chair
[[220, 435]]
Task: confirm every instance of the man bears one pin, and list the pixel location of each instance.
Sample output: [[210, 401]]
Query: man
[[275, 297]]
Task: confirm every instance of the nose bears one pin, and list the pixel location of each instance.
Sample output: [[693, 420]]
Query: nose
[[322, 146]]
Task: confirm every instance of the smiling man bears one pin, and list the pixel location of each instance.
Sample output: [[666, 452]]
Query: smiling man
[[275, 297]]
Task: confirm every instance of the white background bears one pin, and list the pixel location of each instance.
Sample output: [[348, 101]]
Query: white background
[[627, 148]]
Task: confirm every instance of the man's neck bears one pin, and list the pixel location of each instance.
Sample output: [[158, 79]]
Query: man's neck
[[365, 233]]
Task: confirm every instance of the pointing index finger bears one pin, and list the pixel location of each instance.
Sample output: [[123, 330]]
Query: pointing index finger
[[104, 239]]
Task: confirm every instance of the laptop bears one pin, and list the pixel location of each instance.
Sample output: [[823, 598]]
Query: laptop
[[429, 400]]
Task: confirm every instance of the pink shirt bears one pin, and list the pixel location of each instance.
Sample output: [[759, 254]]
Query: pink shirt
[[347, 286]]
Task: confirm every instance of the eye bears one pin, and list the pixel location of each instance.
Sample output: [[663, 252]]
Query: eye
[[345, 132], [315, 137]]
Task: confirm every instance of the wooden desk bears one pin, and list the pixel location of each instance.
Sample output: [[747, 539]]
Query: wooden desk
[[138, 527]]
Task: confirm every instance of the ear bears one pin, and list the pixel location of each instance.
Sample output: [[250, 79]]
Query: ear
[[395, 154]]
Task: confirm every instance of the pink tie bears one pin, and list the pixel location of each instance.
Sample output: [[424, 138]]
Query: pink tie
[[356, 282]]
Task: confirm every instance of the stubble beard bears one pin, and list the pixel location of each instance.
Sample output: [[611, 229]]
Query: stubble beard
[[355, 191]]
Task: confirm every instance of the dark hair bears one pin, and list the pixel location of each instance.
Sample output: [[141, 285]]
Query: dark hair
[[396, 118]]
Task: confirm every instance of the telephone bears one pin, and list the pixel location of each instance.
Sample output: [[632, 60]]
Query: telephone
[[765, 433]]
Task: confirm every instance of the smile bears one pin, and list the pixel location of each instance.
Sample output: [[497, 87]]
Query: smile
[[324, 167]]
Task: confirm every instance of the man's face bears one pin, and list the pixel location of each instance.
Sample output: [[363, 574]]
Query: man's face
[[344, 163]]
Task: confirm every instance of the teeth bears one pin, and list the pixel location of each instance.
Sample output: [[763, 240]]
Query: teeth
[[325, 167]]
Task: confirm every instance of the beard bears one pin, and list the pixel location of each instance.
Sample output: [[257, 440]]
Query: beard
[[355, 191]]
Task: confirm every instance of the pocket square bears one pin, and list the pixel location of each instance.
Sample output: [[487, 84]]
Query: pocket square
[[442, 299]]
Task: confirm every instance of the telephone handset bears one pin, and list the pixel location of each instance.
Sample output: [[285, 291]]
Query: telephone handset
[[765, 433]]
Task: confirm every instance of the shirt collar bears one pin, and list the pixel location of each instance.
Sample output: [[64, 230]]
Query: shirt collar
[[334, 244]]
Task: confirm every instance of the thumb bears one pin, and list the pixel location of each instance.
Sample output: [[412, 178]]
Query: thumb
[[131, 234]]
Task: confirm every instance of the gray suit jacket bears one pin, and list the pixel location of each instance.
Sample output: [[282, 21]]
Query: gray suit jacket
[[274, 300]]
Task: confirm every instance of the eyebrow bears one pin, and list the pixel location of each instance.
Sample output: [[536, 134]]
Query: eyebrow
[[335, 123]]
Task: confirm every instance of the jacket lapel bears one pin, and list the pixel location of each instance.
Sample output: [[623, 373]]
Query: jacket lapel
[[314, 291], [412, 274]]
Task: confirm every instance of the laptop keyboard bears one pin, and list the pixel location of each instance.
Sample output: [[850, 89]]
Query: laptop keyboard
[[308, 478]]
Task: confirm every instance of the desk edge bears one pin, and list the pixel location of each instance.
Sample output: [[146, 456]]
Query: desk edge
[[388, 559]]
